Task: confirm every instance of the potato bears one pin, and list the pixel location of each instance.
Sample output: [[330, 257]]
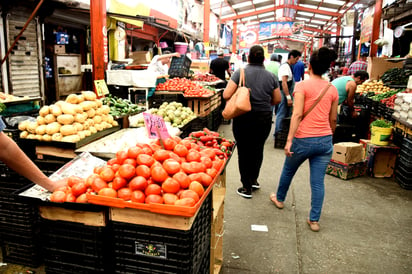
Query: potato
[[99, 103], [68, 108], [86, 105], [41, 120], [98, 127], [90, 121], [31, 127], [50, 118], [71, 138], [106, 125], [72, 99], [44, 111], [78, 108], [110, 119], [80, 118], [41, 130], [87, 132], [60, 103], [38, 137], [89, 95], [23, 125], [91, 113], [105, 109], [53, 128], [46, 137], [55, 110], [99, 111], [92, 129], [24, 134], [94, 105], [65, 119], [97, 119], [80, 98], [31, 136], [68, 130], [78, 126], [81, 134], [57, 137], [115, 123]]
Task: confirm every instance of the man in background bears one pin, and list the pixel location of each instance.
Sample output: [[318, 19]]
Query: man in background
[[299, 71], [274, 64], [361, 64], [219, 67]]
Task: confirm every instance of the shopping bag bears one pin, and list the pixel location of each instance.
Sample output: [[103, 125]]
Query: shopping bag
[[239, 103]]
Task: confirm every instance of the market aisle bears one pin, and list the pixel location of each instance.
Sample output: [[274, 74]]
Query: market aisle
[[366, 224]]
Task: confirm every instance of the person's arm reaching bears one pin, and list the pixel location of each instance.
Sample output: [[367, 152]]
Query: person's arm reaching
[[351, 90]]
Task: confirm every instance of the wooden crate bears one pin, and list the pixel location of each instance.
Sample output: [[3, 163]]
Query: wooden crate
[[77, 216], [217, 230], [203, 106]]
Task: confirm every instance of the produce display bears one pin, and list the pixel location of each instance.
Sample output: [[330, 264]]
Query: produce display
[[4, 98], [403, 107], [120, 106], [396, 76], [372, 86], [224, 147], [381, 123], [172, 112], [205, 77], [172, 172], [190, 88], [78, 117]]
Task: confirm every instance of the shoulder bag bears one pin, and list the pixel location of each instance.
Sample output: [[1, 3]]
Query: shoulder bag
[[239, 103], [317, 101]]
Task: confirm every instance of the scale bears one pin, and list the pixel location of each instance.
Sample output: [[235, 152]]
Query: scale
[[399, 31]]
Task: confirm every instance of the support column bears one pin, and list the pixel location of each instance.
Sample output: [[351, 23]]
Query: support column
[[206, 25], [100, 56], [355, 23], [376, 27], [234, 36]]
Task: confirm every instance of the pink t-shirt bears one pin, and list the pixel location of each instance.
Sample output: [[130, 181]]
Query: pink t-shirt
[[316, 123]]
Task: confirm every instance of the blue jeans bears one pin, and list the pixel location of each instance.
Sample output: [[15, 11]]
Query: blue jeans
[[283, 111], [319, 151]]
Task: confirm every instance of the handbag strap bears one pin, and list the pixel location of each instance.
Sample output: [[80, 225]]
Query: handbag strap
[[317, 100], [242, 78]]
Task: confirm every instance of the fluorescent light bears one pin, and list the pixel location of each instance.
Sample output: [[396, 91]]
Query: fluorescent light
[[312, 26], [318, 22], [334, 2], [308, 6], [323, 16], [266, 14], [302, 18], [241, 5], [328, 9], [258, 1], [267, 20], [266, 7], [305, 13], [250, 18]]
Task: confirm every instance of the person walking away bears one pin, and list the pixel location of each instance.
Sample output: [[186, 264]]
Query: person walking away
[[251, 129], [219, 67], [285, 76], [346, 86], [361, 64], [310, 137], [274, 64], [16, 159], [299, 71]]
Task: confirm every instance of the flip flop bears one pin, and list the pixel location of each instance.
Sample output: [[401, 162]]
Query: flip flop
[[275, 201]]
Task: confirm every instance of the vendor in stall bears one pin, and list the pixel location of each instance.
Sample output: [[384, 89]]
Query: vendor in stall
[[160, 63]]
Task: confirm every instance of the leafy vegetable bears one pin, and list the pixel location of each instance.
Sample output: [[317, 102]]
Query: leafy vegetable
[[381, 123], [2, 107]]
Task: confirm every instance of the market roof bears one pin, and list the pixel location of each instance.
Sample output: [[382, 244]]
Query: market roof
[[320, 17]]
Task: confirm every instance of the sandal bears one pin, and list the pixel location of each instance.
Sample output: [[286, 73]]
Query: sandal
[[274, 200], [314, 226]]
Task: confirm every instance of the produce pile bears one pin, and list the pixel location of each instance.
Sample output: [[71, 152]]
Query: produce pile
[[205, 77], [78, 117], [374, 86], [403, 107], [207, 138], [121, 107], [396, 76], [387, 98], [177, 174], [190, 89], [172, 112]]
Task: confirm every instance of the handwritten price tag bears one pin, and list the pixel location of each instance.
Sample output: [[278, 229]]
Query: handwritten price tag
[[101, 88], [156, 126]]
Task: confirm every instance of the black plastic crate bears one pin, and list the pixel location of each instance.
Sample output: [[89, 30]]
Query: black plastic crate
[[21, 253], [407, 146], [216, 119], [406, 159], [187, 129], [180, 67], [345, 133], [147, 249], [199, 123], [7, 173], [403, 181], [397, 137], [58, 267], [281, 138], [156, 100]]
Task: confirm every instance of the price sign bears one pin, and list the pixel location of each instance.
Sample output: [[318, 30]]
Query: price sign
[[101, 88], [156, 126]]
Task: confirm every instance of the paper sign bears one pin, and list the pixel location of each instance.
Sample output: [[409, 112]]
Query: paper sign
[[101, 87], [156, 126], [261, 228]]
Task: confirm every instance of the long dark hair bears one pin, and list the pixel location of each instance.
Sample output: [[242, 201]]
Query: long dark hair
[[321, 59]]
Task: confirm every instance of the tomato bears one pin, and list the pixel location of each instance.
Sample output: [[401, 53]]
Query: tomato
[[170, 186], [97, 169], [79, 189], [121, 156], [186, 143], [206, 161], [132, 152], [175, 157], [159, 174], [212, 172], [189, 202], [70, 198], [65, 189], [127, 171], [72, 180], [58, 196], [169, 198], [218, 163], [118, 182], [153, 189], [124, 193], [169, 143], [144, 159], [82, 198], [115, 167], [138, 183], [206, 179], [195, 177], [147, 149], [155, 147], [161, 155], [98, 184], [154, 199], [130, 161], [193, 156], [188, 193], [171, 166], [108, 192], [183, 179], [90, 179], [138, 196], [197, 187], [107, 174], [112, 161], [143, 171], [180, 150]]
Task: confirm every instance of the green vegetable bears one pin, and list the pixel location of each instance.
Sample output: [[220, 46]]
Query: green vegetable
[[2, 107], [381, 123]]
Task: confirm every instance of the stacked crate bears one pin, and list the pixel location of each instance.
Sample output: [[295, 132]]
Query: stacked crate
[[19, 222], [403, 172]]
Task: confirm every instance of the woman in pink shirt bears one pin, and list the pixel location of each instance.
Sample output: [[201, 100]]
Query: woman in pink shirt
[[310, 137]]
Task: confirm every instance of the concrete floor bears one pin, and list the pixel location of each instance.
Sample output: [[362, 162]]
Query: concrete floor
[[366, 225]]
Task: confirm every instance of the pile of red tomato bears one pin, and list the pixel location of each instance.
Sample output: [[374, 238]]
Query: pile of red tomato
[[177, 174], [189, 88]]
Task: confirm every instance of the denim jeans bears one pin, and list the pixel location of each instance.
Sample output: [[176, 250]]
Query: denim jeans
[[283, 111], [319, 151]]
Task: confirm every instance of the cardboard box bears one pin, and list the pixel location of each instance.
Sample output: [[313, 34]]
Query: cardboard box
[[141, 57], [381, 160], [347, 152], [378, 66], [59, 49], [346, 171]]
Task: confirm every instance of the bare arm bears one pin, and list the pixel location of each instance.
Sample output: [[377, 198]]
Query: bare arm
[[297, 115], [229, 90], [164, 56], [276, 97], [351, 90], [16, 159], [333, 115]]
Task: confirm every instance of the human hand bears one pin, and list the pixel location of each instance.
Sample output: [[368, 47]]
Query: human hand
[[177, 54], [290, 102], [57, 184], [288, 145]]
